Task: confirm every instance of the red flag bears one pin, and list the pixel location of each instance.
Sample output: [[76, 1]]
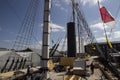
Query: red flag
[[106, 17]]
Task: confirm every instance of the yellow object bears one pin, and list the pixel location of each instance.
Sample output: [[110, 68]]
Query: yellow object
[[72, 77], [6, 75], [88, 55], [109, 43], [51, 65], [93, 47], [67, 77], [67, 61], [12, 74]]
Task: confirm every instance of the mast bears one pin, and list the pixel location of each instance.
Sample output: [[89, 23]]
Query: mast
[[78, 25], [73, 11], [46, 38]]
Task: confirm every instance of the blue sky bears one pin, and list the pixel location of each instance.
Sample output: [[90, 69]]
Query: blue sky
[[12, 13]]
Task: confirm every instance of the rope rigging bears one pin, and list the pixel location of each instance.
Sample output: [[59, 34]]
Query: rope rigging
[[10, 6], [57, 36], [84, 26], [25, 33], [64, 42], [116, 16], [110, 48], [54, 48], [56, 45], [24, 36]]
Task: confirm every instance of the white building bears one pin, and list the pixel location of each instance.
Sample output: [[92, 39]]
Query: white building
[[32, 58]]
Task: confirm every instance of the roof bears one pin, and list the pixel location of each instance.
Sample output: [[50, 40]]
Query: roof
[[3, 49], [24, 54]]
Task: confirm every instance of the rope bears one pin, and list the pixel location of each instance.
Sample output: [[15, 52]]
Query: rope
[[84, 26], [55, 47], [118, 10], [25, 33], [109, 43], [63, 45], [13, 9]]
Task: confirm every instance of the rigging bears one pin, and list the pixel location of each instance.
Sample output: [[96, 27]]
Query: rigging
[[25, 33]]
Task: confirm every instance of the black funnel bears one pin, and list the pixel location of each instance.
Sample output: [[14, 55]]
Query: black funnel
[[71, 40]]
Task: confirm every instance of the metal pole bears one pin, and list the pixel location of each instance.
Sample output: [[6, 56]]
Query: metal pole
[[73, 11], [78, 36], [46, 38]]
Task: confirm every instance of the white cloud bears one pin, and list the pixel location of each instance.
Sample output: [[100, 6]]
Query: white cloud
[[40, 25], [62, 8], [39, 44], [117, 34], [63, 45], [95, 31], [108, 33], [58, 3], [98, 26], [114, 37], [36, 45], [101, 39], [66, 1], [90, 2], [56, 28]]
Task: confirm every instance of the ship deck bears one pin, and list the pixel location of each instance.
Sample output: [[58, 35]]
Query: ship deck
[[97, 75], [60, 76]]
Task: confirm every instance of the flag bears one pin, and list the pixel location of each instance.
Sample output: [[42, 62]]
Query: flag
[[106, 17], [108, 20]]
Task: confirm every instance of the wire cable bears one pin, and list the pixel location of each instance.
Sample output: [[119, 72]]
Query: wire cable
[[118, 10], [25, 33]]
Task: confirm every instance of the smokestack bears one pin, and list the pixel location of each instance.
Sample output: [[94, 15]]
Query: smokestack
[[71, 40]]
